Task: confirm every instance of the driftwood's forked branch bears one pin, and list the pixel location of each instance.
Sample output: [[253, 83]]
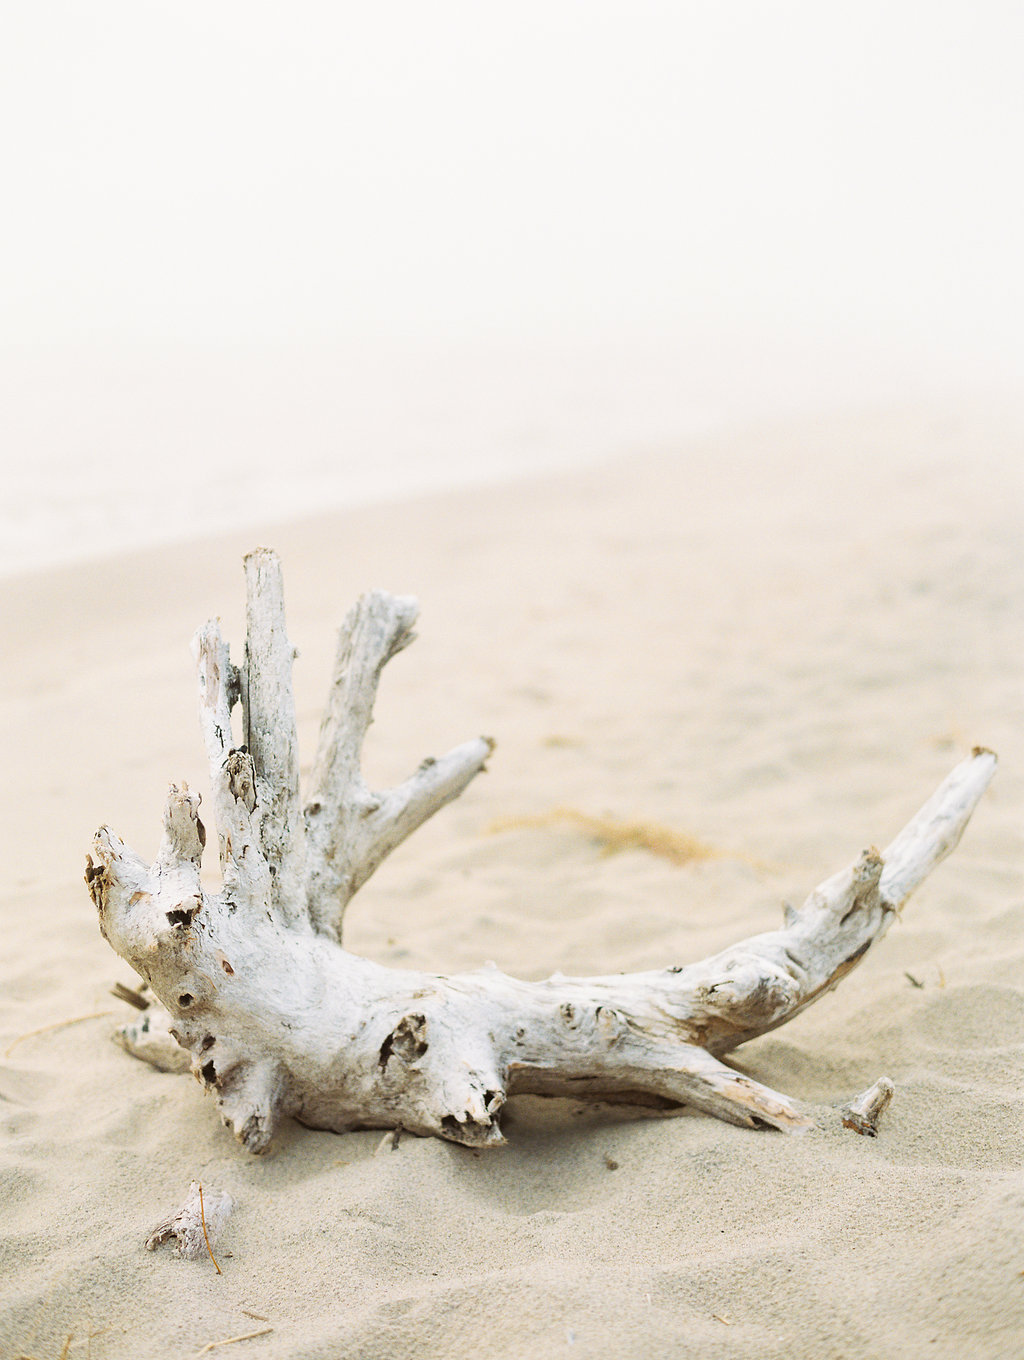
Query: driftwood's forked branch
[[350, 828], [279, 1020], [307, 863]]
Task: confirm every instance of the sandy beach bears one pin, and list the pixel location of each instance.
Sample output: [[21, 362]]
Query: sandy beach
[[778, 641]]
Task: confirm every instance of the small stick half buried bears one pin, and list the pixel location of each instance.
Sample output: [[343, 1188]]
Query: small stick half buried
[[863, 1111], [196, 1225]]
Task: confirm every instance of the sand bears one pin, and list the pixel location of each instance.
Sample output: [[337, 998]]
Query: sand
[[777, 642]]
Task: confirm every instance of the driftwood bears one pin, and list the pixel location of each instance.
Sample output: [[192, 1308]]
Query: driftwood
[[280, 1020], [196, 1226], [863, 1112]]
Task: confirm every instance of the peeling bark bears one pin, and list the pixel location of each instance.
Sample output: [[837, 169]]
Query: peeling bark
[[281, 1021]]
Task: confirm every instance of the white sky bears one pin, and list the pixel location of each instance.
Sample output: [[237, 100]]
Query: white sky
[[306, 171], [260, 258]]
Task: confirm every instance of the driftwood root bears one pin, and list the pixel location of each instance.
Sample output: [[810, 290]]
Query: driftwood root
[[279, 1020]]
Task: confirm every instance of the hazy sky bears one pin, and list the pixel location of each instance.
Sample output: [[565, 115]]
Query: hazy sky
[[299, 171]]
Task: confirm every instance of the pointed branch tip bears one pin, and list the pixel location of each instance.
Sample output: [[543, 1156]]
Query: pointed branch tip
[[863, 1112]]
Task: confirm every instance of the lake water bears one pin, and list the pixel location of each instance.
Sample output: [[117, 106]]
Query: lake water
[[107, 450]]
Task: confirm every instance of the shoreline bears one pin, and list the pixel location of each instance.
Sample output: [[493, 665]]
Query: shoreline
[[184, 443]]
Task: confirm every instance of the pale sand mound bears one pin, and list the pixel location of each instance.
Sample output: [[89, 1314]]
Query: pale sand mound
[[777, 646]]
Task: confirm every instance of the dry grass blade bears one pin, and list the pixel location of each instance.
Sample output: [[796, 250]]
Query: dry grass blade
[[206, 1235], [65, 1350], [57, 1024], [230, 1341], [614, 834]]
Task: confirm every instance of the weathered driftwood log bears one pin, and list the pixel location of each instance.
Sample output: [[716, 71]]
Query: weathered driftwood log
[[281, 1021]]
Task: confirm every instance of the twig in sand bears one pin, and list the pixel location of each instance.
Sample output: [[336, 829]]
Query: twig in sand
[[390, 1141], [718, 1318], [133, 998], [258, 1316], [101, 1331], [913, 980], [194, 1231], [863, 1111], [57, 1024], [206, 1235], [230, 1341]]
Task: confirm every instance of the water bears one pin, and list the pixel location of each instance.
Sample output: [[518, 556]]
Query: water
[[110, 450], [757, 180]]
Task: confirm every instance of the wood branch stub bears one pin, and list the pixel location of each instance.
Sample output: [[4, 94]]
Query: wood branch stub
[[197, 1225], [863, 1112]]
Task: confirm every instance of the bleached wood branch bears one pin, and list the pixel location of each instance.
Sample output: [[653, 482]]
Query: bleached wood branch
[[281, 1021], [197, 1225], [271, 736], [350, 828], [863, 1112]]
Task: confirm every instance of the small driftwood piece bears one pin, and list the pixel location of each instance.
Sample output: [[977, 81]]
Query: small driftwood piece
[[863, 1111], [196, 1225], [148, 1034], [280, 1020]]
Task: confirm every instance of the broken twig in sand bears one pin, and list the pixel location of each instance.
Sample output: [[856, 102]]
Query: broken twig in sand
[[196, 1225], [138, 999], [206, 1231], [863, 1111], [281, 1021]]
